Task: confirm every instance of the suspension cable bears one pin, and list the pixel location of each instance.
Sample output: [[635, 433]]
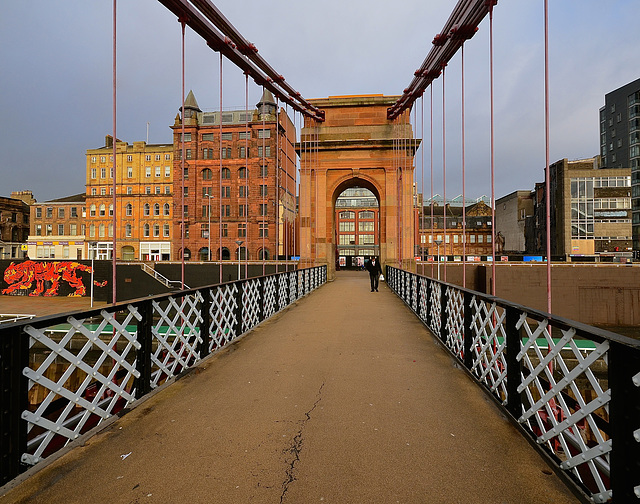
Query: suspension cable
[[182, 156], [493, 206], [246, 172], [444, 180], [431, 153], [220, 187], [464, 203], [115, 142]]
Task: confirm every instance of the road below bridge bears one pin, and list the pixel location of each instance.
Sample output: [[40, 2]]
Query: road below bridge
[[345, 397]]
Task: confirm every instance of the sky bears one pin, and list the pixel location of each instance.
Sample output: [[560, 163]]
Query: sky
[[56, 79]]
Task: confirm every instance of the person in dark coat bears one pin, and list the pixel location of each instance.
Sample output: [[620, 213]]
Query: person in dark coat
[[374, 269]]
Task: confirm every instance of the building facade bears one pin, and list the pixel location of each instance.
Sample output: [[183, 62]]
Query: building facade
[[357, 218], [476, 241], [14, 224], [235, 197], [620, 142], [144, 201], [590, 210], [57, 229], [512, 212]]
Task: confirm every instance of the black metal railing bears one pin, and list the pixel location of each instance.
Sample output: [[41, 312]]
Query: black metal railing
[[573, 389], [62, 375]]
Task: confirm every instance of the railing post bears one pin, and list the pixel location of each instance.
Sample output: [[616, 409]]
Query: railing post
[[514, 371], [624, 415], [205, 336], [239, 308], [443, 312], [14, 357], [143, 359], [262, 300], [429, 321], [468, 331]]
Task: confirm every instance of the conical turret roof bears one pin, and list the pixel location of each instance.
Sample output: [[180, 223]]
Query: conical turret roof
[[190, 102]]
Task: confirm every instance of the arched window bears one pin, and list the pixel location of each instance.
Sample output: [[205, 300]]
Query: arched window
[[156, 209], [128, 230], [92, 210], [128, 253], [103, 210], [147, 208], [146, 230], [226, 173], [187, 254], [110, 230], [263, 254], [207, 174], [156, 230], [204, 254], [366, 214], [242, 173], [129, 209], [101, 231], [242, 252], [224, 254], [167, 209], [111, 210]]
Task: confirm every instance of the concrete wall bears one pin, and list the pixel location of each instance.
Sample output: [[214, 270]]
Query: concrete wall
[[602, 294]]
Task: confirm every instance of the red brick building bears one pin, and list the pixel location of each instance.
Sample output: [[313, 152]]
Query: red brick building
[[238, 183]]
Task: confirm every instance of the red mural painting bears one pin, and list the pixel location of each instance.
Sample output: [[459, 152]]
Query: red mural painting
[[22, 276]]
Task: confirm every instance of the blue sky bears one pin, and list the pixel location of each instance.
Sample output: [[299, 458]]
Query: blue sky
[[56, 78]]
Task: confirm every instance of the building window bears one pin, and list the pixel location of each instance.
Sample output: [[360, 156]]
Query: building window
[[74, 212], [101, 231], [185, 211], [225, 230], [366, 226], [204, 230], [346, 239], [225, 192], [49, 213], [38, 229], [167, 209], [242, 211], [103, 191], [347, 215], [263, 230], [158, 188], [158, 171], [146, 230], [156, 209], [156, 230], [92, 230], [60, 213], [185, 190], [111, 210], [129, 158], [93, 173], [263, 190], [226, 173], [242, 230], [129, 190], [243, 152], [225, 210], [166, 230], [147, 190], [147, 209], [128, 209], [207, 137], [264, 170], [242, 173], [167, 171], [103, 172], [243, 191], [347, 226], [207, 174], [188, 153], [263, 209], [93, 191], [127, 230], [264, 133], [103, 210], [73, 229], [147, 157], [38, 213], [92, 210], [167, 189], [267, 151]]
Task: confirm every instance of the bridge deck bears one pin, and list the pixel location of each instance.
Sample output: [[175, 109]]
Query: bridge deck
[[344, 398]]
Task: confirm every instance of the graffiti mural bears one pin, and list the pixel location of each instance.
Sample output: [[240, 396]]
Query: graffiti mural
[[23, 275]]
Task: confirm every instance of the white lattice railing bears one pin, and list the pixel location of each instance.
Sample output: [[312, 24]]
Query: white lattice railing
[[574, 389], [63, 375]]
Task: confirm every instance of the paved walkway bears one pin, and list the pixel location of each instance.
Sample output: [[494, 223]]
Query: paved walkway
[[344, 398]]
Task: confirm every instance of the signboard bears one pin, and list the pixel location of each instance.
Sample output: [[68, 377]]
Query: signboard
[[532, 258], [342, 261]]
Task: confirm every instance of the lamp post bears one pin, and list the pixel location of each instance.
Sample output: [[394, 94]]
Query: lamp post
[[438, 242], [208, 196], [239, 243]]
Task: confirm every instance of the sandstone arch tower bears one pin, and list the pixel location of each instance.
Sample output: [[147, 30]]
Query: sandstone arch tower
[[357, 145]]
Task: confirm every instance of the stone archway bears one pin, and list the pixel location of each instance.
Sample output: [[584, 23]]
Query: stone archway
[[357, 144]]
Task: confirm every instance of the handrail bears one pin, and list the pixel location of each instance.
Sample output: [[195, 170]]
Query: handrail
[[579, 409], [126, 349]]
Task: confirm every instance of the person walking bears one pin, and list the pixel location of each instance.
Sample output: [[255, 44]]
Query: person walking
[[374, 269]]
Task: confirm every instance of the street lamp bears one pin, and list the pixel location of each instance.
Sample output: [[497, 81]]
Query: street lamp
[[207, 195], [438, 242], [239, 243]]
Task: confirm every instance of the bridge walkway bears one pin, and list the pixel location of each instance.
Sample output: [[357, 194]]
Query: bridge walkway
[[344, 398]]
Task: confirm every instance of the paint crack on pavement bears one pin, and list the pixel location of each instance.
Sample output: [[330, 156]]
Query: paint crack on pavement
[[296, 447]]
